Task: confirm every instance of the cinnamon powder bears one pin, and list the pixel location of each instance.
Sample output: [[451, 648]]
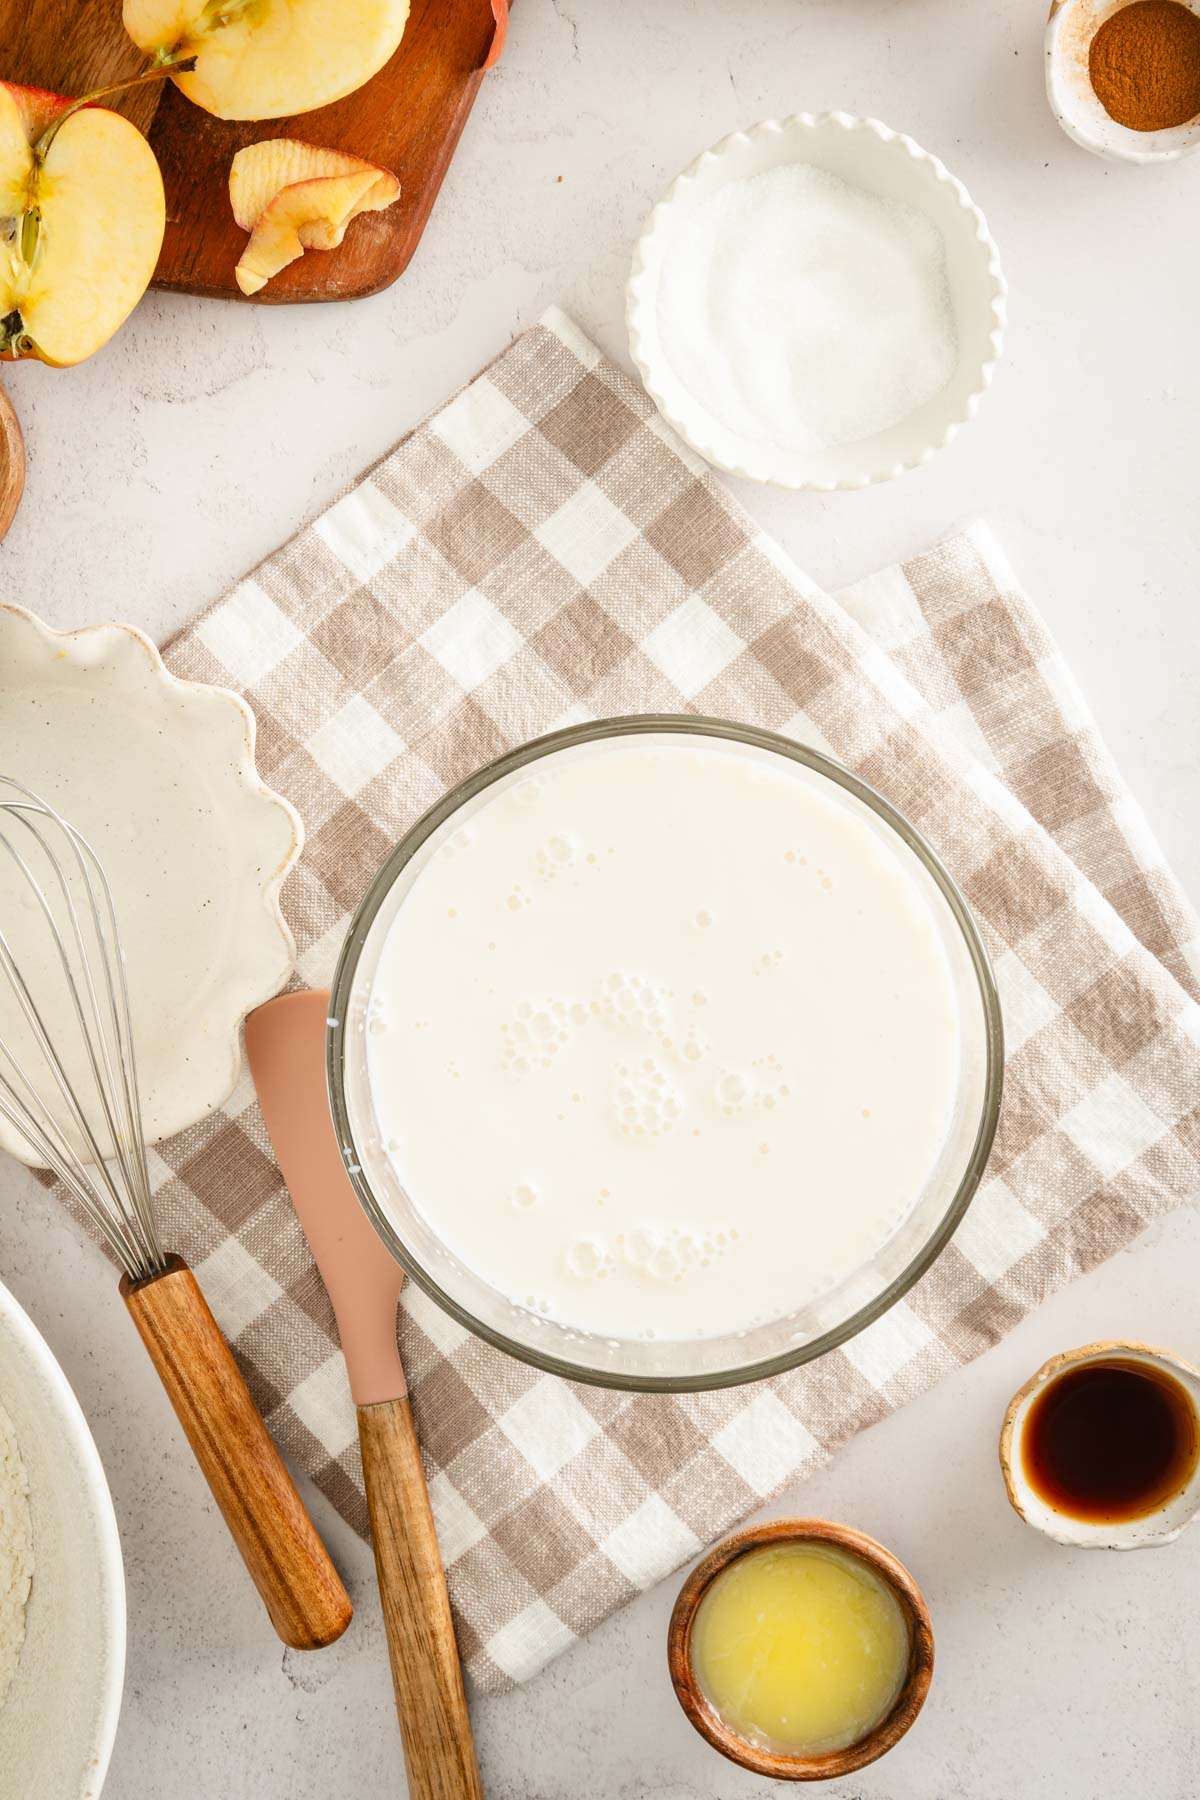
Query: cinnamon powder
[[1144, 64]]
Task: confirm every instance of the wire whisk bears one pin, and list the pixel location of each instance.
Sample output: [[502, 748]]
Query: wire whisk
[[78, 1112], [69, 1095]]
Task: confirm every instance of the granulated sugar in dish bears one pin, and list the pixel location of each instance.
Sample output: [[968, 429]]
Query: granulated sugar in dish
[[803, 312], [16, 1553]]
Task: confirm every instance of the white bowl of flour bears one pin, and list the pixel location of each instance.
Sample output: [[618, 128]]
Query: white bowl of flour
[[816, 302], [62, 1585]]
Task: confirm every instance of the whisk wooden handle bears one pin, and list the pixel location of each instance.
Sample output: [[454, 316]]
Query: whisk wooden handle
[[289, 1564], [439, 1752]]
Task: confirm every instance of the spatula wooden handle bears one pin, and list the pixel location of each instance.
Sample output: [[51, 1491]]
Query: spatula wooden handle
[[439, 1751], [289, 1564]]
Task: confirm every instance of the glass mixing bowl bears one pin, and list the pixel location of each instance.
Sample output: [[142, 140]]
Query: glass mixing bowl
[[665, 1365]]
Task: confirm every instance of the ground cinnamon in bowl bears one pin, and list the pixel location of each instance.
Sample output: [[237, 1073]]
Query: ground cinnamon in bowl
[[1144, 64]]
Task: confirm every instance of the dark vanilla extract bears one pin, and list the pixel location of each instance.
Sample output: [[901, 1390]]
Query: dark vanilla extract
[[1110, 1441]]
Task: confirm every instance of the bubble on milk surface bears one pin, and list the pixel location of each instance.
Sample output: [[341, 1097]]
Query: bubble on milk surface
[[537, 1031], [732, 1091], [661, 1254], [632, 1003], [558, 854], [586, 1258], [643, 1100], [750, 1092]]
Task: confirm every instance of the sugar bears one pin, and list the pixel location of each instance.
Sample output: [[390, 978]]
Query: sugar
[[805, 313]]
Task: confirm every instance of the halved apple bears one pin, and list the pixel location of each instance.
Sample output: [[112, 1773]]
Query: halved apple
[[268, 59], [293, 197], [81, 224]]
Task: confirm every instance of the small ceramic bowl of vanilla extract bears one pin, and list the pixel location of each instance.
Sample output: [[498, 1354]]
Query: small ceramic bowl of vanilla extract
[[1101, 1448], [801, 1649]]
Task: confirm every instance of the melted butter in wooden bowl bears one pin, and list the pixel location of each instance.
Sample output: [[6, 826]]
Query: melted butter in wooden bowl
[[801, 1650]]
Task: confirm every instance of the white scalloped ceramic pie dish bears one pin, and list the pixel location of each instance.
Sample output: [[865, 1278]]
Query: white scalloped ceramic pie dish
[[159, 774], [868, 155], [1073, 24]]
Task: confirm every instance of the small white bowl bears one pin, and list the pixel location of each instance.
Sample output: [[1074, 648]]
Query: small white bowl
[[59, 1719], [1163, 1525], [868, 155], [1073, 25]]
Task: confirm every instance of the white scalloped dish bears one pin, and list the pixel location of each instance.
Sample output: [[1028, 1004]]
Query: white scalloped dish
[[159, 774], [868, 156]]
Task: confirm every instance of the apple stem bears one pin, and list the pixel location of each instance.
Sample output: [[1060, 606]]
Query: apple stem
[[165, 66]]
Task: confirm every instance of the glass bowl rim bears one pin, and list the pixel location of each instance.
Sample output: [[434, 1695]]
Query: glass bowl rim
[[631, 725]]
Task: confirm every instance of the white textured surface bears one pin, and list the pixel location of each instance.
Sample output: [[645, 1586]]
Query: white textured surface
[[203, 435]]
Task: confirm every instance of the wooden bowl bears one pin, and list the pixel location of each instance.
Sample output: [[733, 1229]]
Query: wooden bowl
[[12, 463], [834, 1762]]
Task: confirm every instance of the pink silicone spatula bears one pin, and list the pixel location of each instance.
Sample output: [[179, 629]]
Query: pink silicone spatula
[[285, 1045]]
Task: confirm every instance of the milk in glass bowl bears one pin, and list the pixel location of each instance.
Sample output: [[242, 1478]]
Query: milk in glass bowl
[[664, 1053]]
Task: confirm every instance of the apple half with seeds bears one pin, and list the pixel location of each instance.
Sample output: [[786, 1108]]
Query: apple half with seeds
[[81, 224], [292, 197], [268, 59]]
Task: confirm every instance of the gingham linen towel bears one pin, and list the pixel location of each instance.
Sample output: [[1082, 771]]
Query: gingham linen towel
[[542, 551]]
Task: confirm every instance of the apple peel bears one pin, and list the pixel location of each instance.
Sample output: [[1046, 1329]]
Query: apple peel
[[293, 197]]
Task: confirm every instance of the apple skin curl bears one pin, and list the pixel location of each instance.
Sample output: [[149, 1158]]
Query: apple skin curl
[[293, 197]]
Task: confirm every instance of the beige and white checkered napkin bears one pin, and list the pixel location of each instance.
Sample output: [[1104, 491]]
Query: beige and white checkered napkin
[[541, 551]]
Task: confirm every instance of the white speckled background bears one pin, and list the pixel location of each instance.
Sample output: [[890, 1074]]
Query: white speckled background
[[205, 433]]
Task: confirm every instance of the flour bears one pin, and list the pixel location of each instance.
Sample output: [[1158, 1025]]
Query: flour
[[803, 312], [16, 1552]]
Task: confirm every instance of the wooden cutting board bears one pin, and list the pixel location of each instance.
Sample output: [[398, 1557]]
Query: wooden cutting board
[[408, 118]]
